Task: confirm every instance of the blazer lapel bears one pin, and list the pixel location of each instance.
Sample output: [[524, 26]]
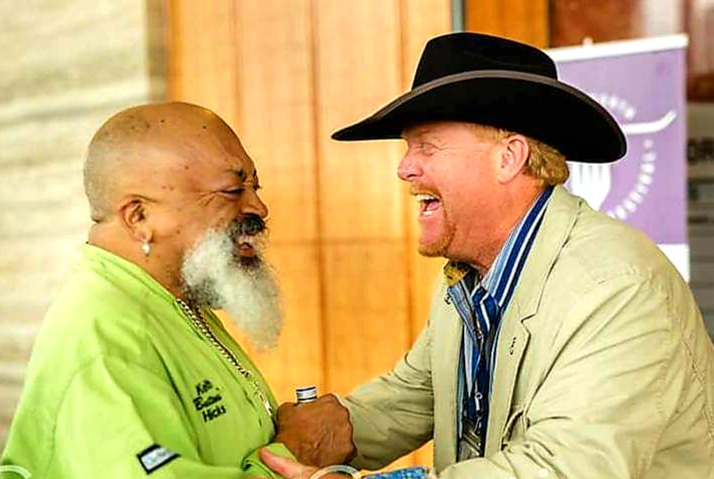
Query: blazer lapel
[[512, 342], [513, 336], [446, 353]]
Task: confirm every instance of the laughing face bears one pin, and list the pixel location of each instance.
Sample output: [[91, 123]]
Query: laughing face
[[203, 180], [452, 171]]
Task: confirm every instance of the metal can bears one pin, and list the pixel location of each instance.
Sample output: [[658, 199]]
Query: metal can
[[306, 394]]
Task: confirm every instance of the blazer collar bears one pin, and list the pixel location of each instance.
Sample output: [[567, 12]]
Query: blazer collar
[[513, 336], [558, 221]]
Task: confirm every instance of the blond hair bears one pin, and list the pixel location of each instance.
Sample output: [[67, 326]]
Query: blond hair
[[544, 163]]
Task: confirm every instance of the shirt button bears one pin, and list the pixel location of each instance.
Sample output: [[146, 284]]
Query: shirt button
[[542, 472]]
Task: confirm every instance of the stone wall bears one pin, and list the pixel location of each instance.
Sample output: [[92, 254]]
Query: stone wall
[[65, 66]]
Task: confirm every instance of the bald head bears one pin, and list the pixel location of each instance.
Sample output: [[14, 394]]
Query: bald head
[[160, 178], [135, 147]]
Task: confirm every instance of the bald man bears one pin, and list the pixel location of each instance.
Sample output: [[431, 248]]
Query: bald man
[[132, 373]]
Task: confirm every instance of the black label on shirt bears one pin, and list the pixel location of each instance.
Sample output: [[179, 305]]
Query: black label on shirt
[[155, 457]]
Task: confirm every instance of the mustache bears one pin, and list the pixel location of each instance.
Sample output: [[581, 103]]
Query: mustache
[[420, 190], [251, 224]]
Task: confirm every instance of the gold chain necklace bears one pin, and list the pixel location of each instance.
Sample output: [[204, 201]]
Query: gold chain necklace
[[200, 323]]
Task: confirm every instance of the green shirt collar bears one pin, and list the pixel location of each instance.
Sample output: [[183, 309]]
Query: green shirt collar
[[122, 272]]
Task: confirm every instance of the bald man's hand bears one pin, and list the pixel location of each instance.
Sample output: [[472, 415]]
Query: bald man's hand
[[317, 433]]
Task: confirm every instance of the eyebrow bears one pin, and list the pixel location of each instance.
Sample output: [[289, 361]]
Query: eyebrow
[[417, 132], [243, 176]]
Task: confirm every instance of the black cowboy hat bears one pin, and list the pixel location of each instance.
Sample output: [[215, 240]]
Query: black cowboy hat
[[493, 81]]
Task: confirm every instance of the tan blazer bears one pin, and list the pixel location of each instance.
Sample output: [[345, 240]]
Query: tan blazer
[[604, 368]]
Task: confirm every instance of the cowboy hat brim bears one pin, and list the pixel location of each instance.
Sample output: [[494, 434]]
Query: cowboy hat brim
[[542, 108]]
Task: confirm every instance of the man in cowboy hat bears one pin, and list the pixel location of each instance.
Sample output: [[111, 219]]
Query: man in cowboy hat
[[132, 373], [561, 342]]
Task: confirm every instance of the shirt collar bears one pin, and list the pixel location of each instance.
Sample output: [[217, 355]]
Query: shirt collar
[[496, 278], [122, 271]]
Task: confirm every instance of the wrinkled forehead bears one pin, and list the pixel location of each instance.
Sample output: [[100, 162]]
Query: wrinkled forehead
[[198, 163], [430, 129], [215, 148], [448, 131]]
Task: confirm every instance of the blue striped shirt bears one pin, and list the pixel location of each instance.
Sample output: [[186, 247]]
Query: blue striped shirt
[[481, 303]]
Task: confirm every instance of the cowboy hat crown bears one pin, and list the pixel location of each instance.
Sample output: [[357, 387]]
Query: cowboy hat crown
[[498, 82]]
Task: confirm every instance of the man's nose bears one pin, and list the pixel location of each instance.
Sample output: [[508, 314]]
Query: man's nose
[[408, 168], [255, 205]]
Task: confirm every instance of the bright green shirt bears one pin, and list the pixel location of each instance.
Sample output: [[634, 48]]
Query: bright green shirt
[[120, 381]]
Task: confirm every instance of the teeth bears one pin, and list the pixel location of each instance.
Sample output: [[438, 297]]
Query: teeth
[[424, 197], [246, 239]]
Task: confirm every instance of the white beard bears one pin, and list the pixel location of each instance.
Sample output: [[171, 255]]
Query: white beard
[[214, 277]]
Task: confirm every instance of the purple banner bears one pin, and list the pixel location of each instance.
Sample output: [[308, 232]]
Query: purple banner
[[645, 92]]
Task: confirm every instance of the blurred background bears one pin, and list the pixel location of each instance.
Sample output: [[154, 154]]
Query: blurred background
[[284, 74]]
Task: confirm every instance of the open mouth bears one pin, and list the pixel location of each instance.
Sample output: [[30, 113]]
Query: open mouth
[[246, 245], [428, 204]]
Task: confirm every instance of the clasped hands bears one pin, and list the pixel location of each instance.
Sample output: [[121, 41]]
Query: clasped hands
[[318, 434]]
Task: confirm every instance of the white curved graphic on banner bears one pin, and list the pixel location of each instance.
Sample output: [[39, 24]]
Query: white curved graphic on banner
[[593, 182], [650, 126]]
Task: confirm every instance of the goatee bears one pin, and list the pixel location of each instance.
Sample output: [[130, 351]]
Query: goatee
[[215, 276]]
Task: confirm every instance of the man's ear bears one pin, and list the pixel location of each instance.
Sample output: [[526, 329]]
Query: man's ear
[[514, 156], [133, 214]]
